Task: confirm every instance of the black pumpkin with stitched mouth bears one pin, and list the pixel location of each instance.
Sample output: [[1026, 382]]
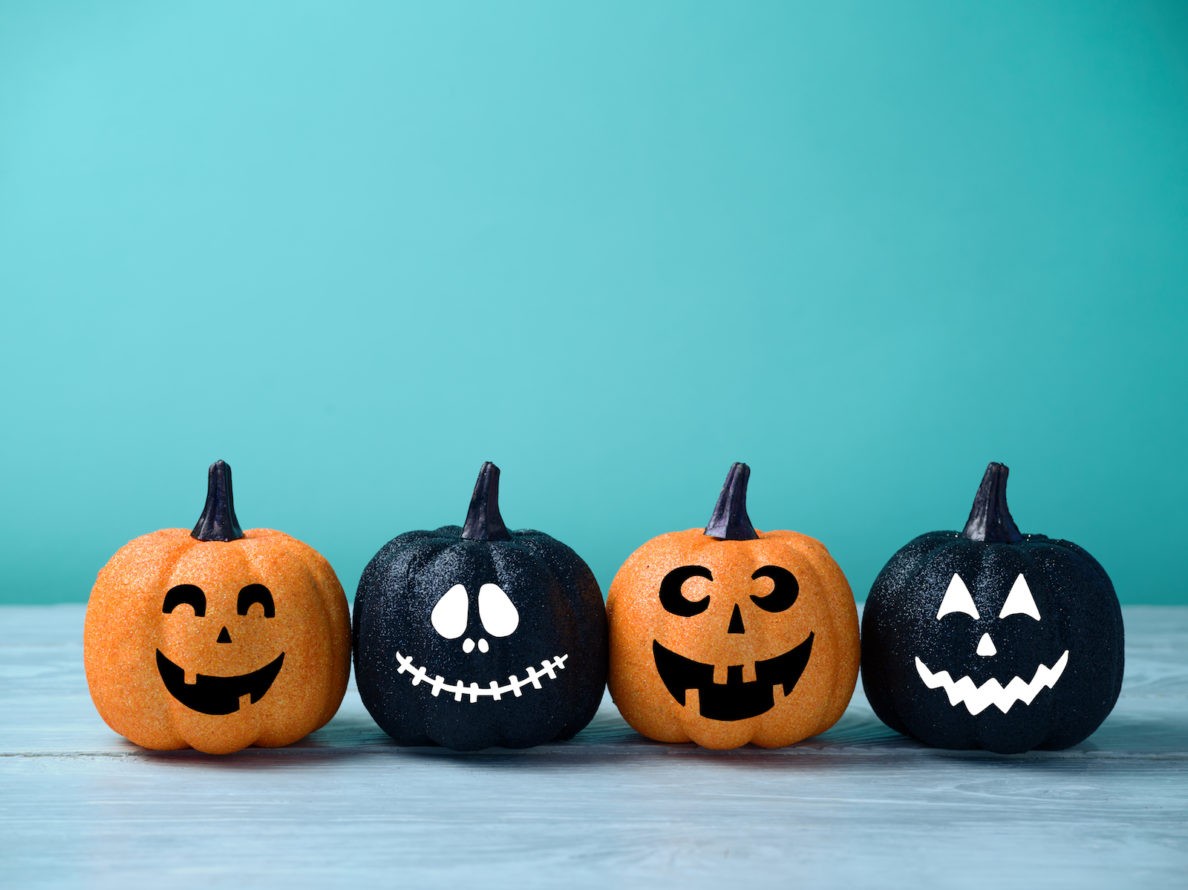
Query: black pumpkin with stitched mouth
[[475, 636], [992, 639]]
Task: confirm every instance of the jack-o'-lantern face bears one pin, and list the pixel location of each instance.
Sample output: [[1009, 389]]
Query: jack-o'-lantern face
[[758, 669], [729, 636], [219, 693], [999, 677], [470, 649]]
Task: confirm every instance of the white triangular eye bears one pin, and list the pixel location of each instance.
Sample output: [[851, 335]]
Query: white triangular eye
[[449, 615], [496, 611], [957, 599], [1020, 601]]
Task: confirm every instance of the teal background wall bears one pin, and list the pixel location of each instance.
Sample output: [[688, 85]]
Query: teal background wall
[[357, 248]]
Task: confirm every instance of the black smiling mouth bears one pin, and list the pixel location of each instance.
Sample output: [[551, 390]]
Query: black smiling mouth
[[217, 695], [735, 699]]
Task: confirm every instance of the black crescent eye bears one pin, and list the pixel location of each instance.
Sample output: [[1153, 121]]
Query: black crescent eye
[[185, 595], [252, 594], [674, 601], [782, 595]]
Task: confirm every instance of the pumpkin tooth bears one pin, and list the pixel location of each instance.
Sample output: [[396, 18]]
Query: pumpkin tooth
[[721, 674], [189, 677], [749, 673]]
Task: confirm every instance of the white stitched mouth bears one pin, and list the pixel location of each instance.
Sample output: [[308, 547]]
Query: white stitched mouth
[[978, 698], [514, 685]]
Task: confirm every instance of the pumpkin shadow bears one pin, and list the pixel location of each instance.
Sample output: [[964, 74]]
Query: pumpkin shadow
[[1131, 735], [609, 739], [1123, 740], [346, 736]]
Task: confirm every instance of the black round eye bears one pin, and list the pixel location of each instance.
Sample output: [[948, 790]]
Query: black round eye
[[674, 601], [185, 595], [784, 592], [252, 594]]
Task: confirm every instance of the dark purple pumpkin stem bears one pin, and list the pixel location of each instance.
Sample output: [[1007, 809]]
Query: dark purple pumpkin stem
[[483, 522], [730, 521], [990, 520], [218, 522]]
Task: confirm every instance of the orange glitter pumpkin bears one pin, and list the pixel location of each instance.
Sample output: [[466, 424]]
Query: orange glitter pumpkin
[[731, 636], [216, 639]]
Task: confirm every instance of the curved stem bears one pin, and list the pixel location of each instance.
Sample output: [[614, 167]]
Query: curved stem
[[990, 520], [483, 521], [730, 521], [218, 522]]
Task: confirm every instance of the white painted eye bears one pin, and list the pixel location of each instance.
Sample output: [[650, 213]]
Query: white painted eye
[[1020, 601], [496, 611], [449, 615], [957, 599]]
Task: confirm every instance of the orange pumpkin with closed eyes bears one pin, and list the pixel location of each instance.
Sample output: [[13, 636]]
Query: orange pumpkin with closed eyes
[[730, 636], [216, 639]]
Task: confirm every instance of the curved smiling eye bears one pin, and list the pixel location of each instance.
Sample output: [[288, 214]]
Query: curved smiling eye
[[449, 615], [187, 595], [253, 594], [674, 600], [496, 611], [784, 592], [957, 599]]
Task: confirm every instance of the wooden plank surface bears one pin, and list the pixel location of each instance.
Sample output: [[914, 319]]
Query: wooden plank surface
[[855, 807]]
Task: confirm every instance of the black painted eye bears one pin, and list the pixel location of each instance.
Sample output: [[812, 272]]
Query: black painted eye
[[187, 595], [252, 594], [674, 601], [782, 595]]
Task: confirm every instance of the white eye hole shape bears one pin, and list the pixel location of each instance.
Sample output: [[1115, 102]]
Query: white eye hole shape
[[1020, 601], [957, 599], [450, 614], [497, 613]]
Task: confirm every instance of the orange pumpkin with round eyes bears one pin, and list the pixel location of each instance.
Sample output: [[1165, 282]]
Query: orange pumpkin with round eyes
[[216, 639], [730, 636]]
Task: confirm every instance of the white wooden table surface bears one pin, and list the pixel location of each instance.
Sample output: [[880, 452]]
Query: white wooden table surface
[[855, 807]]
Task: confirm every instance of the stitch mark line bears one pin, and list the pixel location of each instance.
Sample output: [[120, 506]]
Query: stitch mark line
[[472, 691]]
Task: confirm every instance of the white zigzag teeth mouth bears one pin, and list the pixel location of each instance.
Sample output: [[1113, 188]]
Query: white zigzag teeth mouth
[[977, 698], [460, 689]]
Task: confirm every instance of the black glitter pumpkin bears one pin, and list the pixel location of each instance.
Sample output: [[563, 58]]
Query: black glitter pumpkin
[[474, 636], [990, 638]]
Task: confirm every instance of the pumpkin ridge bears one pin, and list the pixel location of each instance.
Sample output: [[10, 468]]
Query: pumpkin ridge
[[258, 558], [109, 599], [393, 567], [555, 590], [841, 691]]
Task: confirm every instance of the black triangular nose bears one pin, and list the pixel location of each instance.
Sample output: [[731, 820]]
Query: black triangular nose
[[736, 625], [225, 637]]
